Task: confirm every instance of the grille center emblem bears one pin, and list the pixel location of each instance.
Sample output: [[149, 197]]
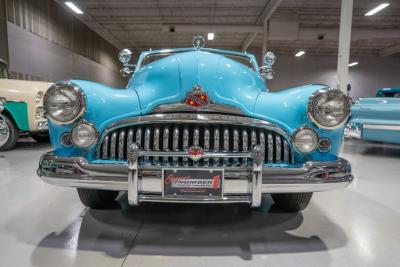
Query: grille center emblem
[[195, 153], [197, 97]]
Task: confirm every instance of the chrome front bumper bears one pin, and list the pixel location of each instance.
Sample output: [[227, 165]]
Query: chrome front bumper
[[241, 184]]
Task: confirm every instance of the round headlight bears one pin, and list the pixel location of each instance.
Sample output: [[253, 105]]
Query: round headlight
[[64, 103], [305, 139], [125, 56], [329, 108], [84, 135]]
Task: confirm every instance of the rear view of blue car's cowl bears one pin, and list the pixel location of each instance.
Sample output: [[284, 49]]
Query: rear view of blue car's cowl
[[195, 126]]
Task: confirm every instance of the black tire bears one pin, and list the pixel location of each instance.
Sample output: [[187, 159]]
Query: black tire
[[293, 202], [42, 137], [97, 199], [13, 134]]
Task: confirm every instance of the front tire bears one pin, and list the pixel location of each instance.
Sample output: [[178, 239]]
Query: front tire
[[97, 199], [292, 202], [8, 133]]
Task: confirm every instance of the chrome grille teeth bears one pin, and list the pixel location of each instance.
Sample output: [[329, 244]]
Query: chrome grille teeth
[[166, 143], [121, 145], [220, 138], [206, 144], [185, 143]]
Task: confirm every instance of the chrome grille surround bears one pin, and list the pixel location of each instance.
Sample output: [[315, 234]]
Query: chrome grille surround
[[213, 132]]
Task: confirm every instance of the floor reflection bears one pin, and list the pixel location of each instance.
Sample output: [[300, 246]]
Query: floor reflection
[[190, 230], [368, 148]]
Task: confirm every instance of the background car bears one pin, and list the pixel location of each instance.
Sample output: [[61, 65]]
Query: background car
[[376, 118], [23, 109], [196, 125]]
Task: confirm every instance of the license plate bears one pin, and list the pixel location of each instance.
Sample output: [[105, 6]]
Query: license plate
[[193, 182]]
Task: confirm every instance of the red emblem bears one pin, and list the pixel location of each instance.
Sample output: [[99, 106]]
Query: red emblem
[[195, 152], [197, 98]]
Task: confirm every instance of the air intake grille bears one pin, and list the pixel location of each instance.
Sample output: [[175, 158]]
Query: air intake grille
[[179, 137]]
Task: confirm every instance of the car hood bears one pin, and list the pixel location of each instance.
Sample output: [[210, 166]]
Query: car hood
[[168, 81]]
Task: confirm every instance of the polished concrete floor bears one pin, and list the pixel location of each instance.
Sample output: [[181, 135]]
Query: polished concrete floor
[[43, 225]]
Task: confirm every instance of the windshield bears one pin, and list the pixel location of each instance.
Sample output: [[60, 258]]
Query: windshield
[[3, 71], [156, 56]]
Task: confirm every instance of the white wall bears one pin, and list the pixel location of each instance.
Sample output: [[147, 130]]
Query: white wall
[[371, 73], [36, 56]]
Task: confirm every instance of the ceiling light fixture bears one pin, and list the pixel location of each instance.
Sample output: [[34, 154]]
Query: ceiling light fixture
[[376, 9], [210, 36], [353, 64], [300, 53], [74, 8]]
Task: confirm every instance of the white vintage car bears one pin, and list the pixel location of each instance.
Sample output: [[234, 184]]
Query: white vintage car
[[22, 109]]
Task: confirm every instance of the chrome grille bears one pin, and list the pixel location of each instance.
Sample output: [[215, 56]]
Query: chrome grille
[[179, 137]]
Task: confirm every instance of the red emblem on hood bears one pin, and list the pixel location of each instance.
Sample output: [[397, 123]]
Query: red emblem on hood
[[197, 98], [195, 152]]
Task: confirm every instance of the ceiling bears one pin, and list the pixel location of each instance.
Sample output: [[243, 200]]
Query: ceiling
[[310, 25]]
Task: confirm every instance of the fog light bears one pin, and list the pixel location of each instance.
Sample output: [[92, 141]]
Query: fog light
[[324, 145], [84, 135], [305, 139]]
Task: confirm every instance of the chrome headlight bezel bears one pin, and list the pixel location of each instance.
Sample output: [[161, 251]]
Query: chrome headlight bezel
[[293, 139], [81, 101], [95, 131], [316, 96]]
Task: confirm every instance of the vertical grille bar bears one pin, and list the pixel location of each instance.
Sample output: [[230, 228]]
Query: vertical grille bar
[[121, 145], [262, 140], [156, 144], [185, 143], [270, 148], [206, 143], [139, 136], [105, 147], [147, 134], [216, 144], [235, 144], [245, 144], [196, 138], [278, 149], [113, 145], [226, 144], [166, 143], [253, 137], [285, 152], [175, 144]]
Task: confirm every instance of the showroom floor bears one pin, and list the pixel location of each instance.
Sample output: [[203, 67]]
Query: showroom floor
[[43, 225]]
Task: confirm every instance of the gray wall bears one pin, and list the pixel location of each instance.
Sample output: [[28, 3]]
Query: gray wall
[[47, 43], [3, 32], [35, 58], [371, 73]]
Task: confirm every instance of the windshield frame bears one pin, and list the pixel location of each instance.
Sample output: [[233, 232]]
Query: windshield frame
[[251, 57]]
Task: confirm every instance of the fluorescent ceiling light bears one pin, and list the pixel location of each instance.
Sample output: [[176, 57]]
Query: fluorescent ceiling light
[[353, 64], [300, 53], [74, 8], [376, 9], [210, 36]]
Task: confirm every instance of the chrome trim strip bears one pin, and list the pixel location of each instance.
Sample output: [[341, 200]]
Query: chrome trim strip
[[235, 144], [285, 152], [245, 144], [147, 133], [206, 144], [156, 144], [270, 148], [210, 108], [278, 150], [166, 144], [381, 127], [216, 143], [185, 143], [175, 143]]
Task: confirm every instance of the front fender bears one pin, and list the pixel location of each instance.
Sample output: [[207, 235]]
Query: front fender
[[105, 105], [288, 109]]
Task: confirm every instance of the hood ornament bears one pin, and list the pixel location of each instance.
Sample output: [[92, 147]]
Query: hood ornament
[[197, 98], [195, 153], [199, 42]]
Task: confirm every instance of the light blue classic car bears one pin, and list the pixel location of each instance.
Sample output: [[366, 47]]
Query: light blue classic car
[[195, 125], [377, 118]]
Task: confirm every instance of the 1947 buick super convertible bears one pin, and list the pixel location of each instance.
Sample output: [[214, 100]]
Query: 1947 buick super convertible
[[195, 125]]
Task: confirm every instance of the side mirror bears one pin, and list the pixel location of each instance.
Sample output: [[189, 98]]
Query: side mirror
[[266, 71], [124, 57]]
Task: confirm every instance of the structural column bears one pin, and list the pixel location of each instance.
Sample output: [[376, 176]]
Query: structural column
[[344, 44], [3, 31]]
